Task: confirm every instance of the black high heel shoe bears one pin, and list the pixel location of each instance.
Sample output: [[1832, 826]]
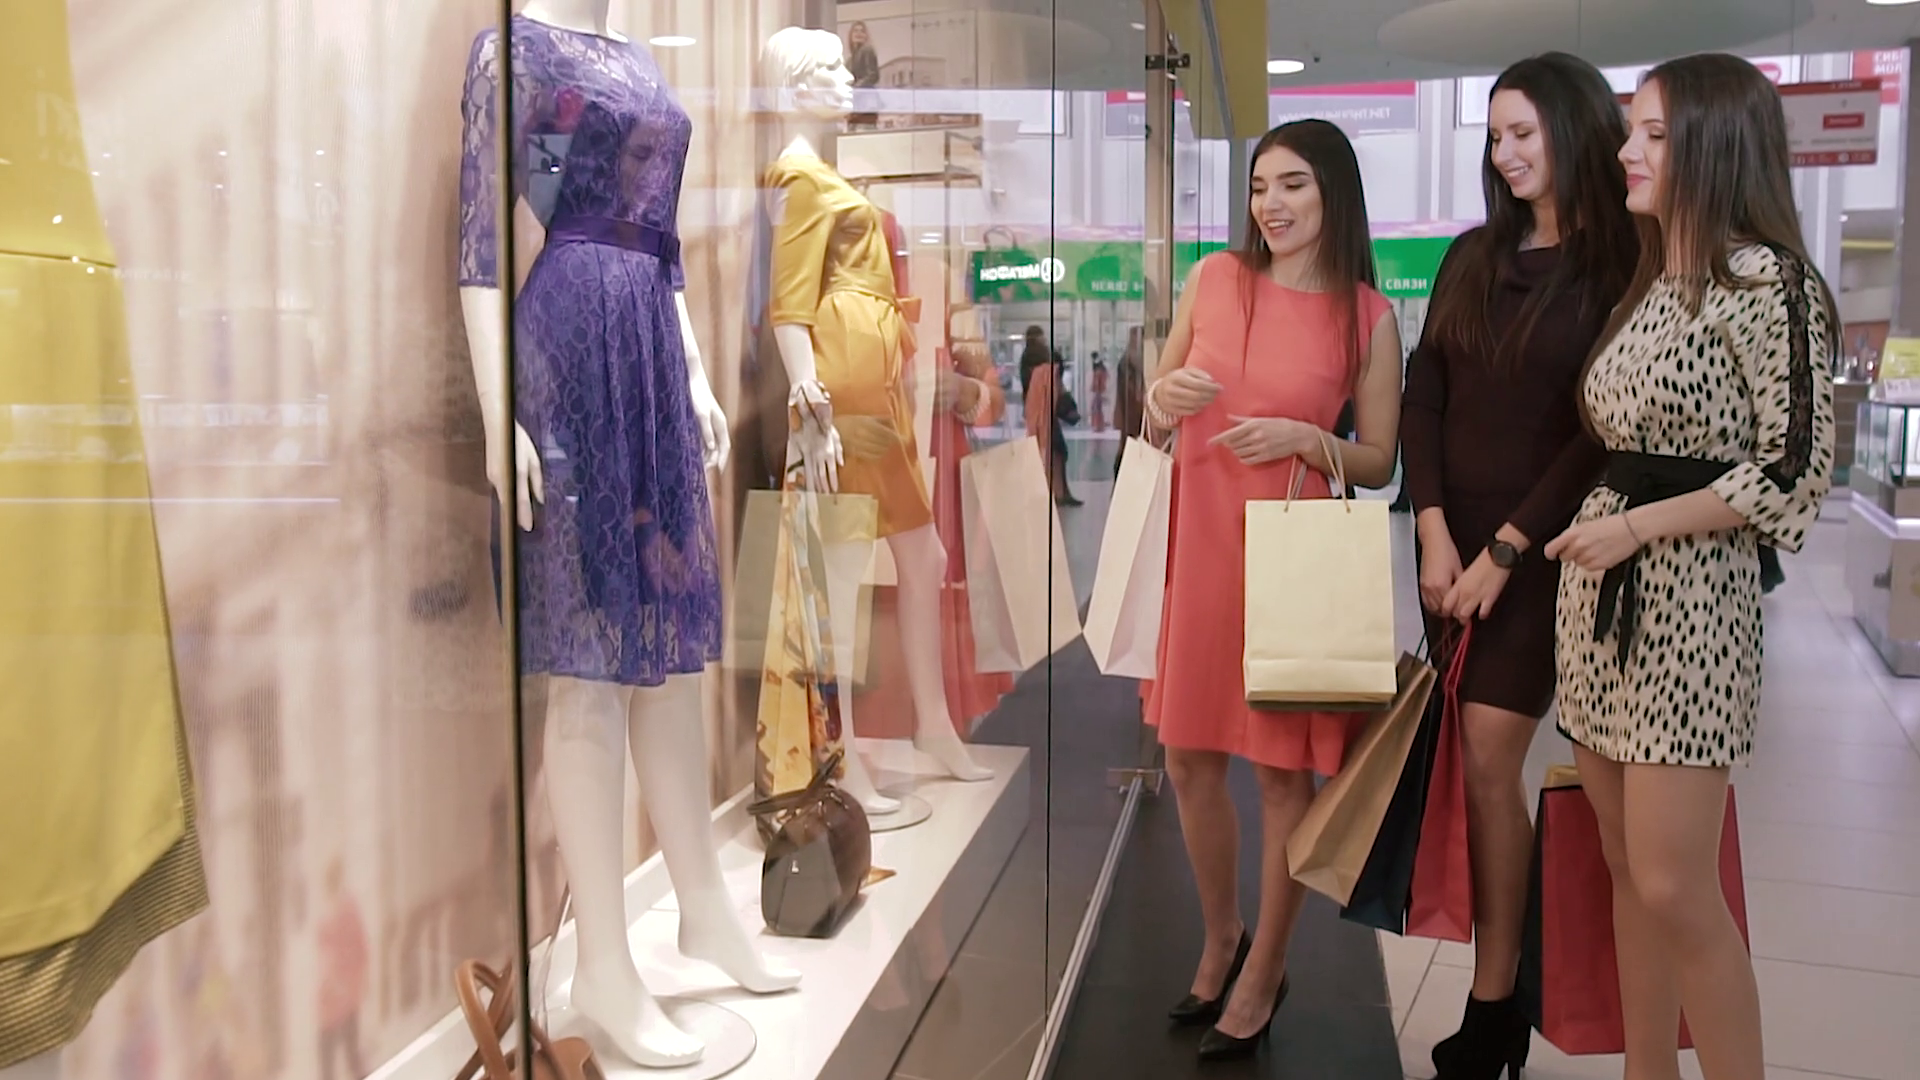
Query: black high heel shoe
[[1193, 1011], [1217, 1045], [1492, 1042]]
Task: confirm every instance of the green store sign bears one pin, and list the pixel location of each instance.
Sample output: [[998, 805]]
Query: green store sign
[[1113, 270]]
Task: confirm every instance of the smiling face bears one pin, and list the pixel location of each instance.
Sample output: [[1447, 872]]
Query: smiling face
[[1285, 201], [1645, 154], [1517, 146]]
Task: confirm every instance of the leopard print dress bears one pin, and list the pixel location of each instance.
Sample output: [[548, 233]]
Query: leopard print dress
[[1747, 381]]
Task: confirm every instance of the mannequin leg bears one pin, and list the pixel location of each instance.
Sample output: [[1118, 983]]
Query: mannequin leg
[[586, 754], [669, 739], [846, 569], [919, 558]]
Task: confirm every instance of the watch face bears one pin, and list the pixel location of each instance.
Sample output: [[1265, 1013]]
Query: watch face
[[1504, 555]]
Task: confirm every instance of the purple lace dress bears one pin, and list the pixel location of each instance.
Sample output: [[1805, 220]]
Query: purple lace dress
[[619, 579]]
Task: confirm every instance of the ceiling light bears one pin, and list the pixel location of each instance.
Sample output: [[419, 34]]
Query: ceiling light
[[670, 41], [1138, 26], [1285, 67], [1891, 3]]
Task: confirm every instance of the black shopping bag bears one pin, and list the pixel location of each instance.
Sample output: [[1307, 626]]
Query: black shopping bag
[[1385, 887]]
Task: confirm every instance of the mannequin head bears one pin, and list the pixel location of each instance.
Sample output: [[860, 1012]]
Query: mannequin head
[[806, 70]]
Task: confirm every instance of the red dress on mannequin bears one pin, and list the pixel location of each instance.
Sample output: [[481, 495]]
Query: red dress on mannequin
[[966, 386]]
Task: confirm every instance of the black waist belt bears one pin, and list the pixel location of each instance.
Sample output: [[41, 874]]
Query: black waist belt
[[631, 235], [1643, 479]]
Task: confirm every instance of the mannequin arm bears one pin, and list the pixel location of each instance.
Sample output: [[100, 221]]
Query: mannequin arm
[[715, 439], [803, 224], [480, 309], [810, 410]]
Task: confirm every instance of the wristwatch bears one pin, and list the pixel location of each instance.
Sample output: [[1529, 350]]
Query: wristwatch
[[1504, 555]]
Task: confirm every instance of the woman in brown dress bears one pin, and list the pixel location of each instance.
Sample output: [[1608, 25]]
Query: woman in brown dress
[[1497, 462]]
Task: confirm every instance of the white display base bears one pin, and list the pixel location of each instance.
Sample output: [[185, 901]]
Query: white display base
[[913, 810], [729, 1039], [863, 990]]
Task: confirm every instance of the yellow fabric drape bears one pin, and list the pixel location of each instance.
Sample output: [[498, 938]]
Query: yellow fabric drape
[[95, 832]]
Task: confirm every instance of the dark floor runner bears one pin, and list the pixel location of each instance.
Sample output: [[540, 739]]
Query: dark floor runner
[[1336, 1024], [984, 1021]]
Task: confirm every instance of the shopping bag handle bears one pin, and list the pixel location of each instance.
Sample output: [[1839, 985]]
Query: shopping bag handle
[[1298, 478]]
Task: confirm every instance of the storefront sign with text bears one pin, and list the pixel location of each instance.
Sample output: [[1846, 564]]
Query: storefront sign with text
[[1833, 123]]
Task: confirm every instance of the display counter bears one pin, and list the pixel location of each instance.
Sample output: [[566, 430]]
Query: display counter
[[1883, 533]]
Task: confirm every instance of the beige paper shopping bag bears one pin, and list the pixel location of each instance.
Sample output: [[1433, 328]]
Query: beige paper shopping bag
[[1329, 848], [1319, 616], [1130, 583], [1022, 595], [838, 519]]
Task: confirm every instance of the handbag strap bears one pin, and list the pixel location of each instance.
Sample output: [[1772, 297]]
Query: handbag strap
[[488, 1022], [1297, 479], [794, 800]]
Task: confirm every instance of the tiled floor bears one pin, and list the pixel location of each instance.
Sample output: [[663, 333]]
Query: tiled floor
[[1830, 832]]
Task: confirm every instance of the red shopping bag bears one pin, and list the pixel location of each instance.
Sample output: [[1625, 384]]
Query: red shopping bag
[[1442, 898], [1569, 983]]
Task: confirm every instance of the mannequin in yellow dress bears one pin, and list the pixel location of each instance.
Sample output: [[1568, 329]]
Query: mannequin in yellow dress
[[843, 341], [97, 836]]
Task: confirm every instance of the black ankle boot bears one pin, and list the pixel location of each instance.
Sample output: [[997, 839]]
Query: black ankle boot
[[1492, 1041]]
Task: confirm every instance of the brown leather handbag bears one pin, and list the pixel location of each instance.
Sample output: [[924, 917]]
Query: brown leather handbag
[[553, 1059], [819, 855]]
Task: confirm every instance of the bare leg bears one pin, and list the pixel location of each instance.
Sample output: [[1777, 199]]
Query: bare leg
[[846, 572], [669, 739], [1649, 997], [1284, 796], [1501, 842], [587, 753], [1212, 833], [1674, 814], [919, 558]]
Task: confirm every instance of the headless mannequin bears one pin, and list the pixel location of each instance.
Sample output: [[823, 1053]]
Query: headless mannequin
[[591, 726], [816, 98]]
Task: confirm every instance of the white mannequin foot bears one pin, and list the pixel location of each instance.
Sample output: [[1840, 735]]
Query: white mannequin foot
[[942, 743], [633, 1019], [856, 782], [712, 933]]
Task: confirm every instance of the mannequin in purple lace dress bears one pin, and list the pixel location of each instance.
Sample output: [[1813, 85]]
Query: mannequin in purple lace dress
[[617, 569]]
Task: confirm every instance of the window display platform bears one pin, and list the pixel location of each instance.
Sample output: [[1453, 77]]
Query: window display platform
[[862, 990]]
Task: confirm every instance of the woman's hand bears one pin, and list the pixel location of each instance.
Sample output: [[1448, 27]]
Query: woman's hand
[[1596, 546], [1476, 591], [1183, 392], [1439, 569], [867, 438], [1258, 440]]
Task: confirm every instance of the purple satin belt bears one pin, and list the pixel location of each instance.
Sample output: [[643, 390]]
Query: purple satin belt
[[631, 235]]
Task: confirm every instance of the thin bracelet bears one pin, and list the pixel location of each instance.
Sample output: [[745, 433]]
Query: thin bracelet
[[1154, 411], [1626, 519]]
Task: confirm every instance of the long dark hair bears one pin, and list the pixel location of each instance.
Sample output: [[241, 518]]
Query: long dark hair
[[1343, 254], [1727, 180], [1581, 123]]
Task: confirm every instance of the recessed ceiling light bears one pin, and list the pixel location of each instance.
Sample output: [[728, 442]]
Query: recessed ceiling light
[[1285, 67], [670, 41], [1138, 25], [1891, 3]]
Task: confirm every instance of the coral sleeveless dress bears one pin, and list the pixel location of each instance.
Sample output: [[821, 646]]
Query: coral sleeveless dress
[[1292, 364]]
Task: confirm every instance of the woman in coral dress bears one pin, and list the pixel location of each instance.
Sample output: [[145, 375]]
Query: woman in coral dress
[[1267, 345]]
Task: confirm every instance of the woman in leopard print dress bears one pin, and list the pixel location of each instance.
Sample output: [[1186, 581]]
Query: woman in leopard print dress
[[1713, 394]]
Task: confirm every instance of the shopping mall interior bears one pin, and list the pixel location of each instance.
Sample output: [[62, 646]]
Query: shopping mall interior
[[434, 637]]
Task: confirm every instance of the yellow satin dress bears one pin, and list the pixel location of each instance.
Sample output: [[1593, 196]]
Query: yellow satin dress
[[98, 854], [833, 273]]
